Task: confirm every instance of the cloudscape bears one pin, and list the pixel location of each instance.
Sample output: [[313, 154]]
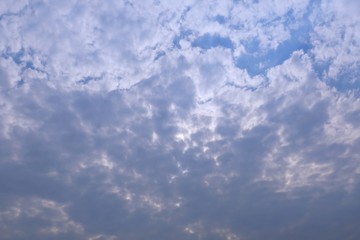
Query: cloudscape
[[184, 120]]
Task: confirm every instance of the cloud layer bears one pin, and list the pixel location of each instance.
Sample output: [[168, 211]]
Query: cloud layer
[[184, 120]]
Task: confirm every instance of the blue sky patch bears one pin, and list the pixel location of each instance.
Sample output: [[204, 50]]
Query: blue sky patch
[[208, 41], [257, 61]]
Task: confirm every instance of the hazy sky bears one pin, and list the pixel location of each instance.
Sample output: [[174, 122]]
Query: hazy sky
[[184, 120]]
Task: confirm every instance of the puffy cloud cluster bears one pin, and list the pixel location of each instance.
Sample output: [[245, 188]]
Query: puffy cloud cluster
[[184, 120]]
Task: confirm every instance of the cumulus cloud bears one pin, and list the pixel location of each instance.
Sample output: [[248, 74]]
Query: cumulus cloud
[[190, 120]]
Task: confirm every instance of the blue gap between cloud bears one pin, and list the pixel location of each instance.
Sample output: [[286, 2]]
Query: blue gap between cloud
[[257, 61], [208, 41]]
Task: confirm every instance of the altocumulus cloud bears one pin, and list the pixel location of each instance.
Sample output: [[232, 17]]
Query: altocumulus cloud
[[234, 120]]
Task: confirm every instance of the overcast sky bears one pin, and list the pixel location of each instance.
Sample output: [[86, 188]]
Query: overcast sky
[[184, 120]]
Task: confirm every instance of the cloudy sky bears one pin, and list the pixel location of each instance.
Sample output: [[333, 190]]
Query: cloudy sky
[[185, 120]]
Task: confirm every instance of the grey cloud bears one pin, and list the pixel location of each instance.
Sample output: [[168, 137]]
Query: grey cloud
[[167, 149]]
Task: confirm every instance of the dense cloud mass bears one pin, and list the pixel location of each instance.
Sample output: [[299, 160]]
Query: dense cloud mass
[[188, 120]]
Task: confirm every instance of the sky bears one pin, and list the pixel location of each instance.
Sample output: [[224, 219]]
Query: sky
[[184, 120]]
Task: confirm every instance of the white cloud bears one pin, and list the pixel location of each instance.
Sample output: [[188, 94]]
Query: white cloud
[[335, 39]]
